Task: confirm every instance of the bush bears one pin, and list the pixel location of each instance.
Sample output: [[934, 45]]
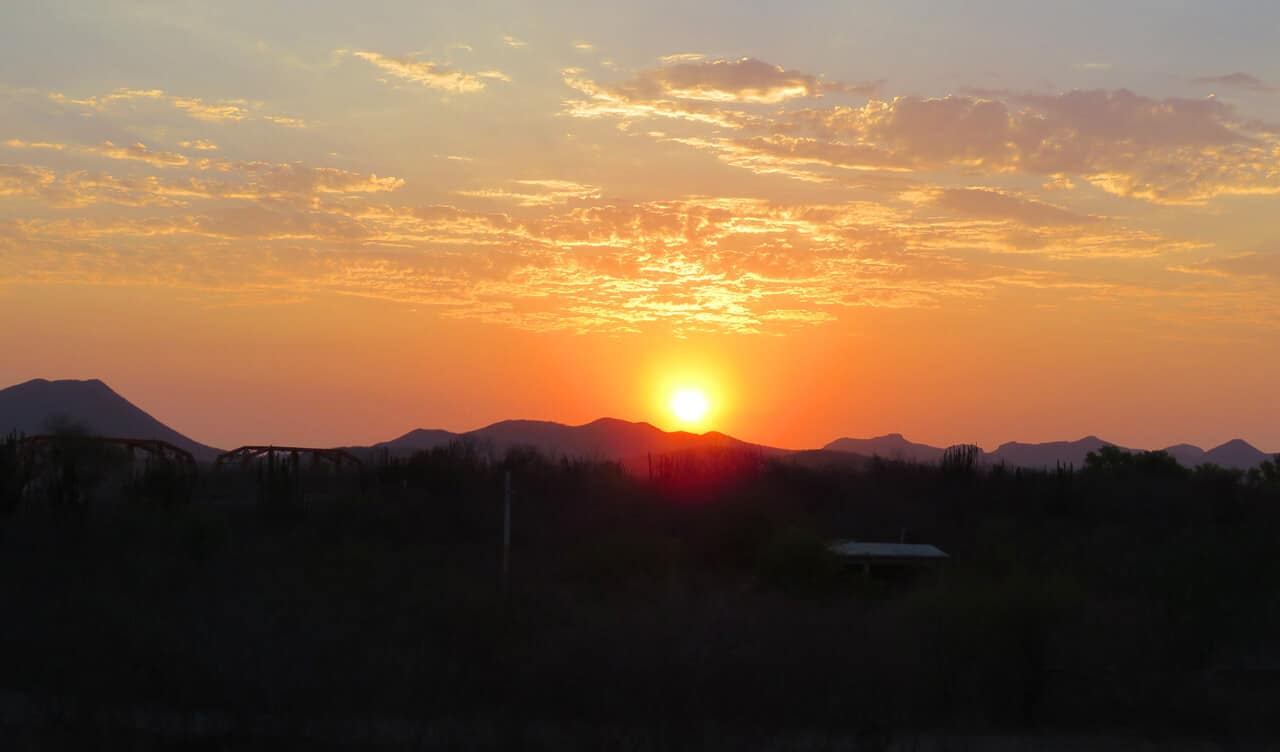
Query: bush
[[798, 560]]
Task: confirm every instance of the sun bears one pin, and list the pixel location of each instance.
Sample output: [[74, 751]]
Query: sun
[[690, 405]]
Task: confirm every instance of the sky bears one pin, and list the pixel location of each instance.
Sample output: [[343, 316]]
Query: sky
[[330, 223]]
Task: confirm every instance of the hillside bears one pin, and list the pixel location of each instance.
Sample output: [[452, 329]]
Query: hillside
[[891, 446], [35, 406]]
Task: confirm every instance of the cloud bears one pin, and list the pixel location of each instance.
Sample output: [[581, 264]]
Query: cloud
[[572, 260], [511, 41], [913, 202], [537, 192], [278, 179], [1235, 81], [80, 188], [1244, 265], [613, 102], [683, 57], [988, 203], [227, 110], [1168, 151], [254, 181], [141, 153], [698, 90], [741, 81], [24, 180], [1165, 151], [17, 143], [138, 152], [287, 122], [427, 73]]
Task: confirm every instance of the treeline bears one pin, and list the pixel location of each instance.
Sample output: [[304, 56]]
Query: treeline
[[1129, 594]]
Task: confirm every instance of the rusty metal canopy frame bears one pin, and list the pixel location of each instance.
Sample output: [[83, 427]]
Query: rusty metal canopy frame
[[28, 445], [245, 454]]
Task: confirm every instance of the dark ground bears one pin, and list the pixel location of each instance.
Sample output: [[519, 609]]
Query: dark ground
[[1131, 599]]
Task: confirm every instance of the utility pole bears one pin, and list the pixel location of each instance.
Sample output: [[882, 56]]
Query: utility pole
[[506, 535]]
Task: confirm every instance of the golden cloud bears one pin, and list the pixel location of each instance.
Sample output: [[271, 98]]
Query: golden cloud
[[537, 192], [138, 152], [199, 144], [227, 110], [1168, 151], [582, 263], [427, 73], [690, 87], [1173, 151], [141, 153]]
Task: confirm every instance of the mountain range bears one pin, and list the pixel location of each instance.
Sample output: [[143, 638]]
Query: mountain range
[[35, 406], [606, 438]]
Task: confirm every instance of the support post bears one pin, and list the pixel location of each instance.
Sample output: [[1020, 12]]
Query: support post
[[506, 534]]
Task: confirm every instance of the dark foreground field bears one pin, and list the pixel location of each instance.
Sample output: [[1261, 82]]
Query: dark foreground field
[[1124, 604]]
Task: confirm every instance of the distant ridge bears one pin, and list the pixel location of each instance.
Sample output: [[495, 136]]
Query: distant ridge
[[610, 438], [892, 446], [30, 407], [606, 438], [1237, 453], [1047, 454], [1187, 454]]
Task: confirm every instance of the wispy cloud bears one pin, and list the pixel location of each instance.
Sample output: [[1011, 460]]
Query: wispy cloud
[[199, 144], [1237, 80], [536, 192], [226, 110], [428, 73], [138, 152]]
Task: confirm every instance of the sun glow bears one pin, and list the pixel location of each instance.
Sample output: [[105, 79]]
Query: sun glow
[[690, 405]]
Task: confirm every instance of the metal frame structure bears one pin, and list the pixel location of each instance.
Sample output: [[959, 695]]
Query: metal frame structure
[[155, 447], [246, 454]]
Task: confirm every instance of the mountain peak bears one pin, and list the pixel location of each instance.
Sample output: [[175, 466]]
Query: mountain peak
[[604, 438], [890, 446], [1236, 444], [32, 406]]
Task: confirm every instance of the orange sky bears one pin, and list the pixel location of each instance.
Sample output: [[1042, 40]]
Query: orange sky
[[337, 236]]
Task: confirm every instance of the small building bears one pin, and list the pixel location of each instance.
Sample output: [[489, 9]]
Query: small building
[[896, 561]]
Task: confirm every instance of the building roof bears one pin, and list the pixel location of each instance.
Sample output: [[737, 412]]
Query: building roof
[[862, 550]]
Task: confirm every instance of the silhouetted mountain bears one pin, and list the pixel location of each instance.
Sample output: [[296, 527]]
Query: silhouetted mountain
[[890, 446], [1236, 453], [1188, 455], [1047, 454], [418, 440], [606, 438], [33, 406]]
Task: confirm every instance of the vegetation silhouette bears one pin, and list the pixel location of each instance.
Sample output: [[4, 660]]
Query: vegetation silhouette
[[1130, 594]]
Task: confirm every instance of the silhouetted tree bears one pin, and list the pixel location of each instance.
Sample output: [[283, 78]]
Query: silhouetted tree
[[961, 459]]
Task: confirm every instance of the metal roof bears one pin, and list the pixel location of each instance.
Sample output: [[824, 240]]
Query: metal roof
[[859, 549]]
